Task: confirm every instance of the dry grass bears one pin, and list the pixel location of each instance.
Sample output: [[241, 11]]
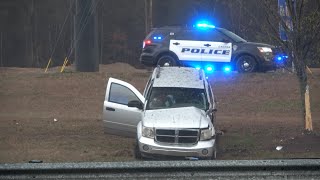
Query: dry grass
[[256, 112]]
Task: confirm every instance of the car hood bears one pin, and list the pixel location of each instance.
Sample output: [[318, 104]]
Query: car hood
[[186, 117], [255, 44]]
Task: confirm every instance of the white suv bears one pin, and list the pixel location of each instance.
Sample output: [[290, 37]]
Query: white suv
[[173, 117]]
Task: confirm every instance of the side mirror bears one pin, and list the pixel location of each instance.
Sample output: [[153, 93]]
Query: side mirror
[[135, 103], [210, 111]]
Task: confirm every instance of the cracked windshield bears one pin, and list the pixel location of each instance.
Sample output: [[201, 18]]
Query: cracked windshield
[[137, 80]]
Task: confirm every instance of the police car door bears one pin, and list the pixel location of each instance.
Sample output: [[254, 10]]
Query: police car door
[[215, 46], [186, 45]]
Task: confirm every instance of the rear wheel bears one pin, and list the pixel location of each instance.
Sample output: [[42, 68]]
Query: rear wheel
[[246, 64], [166, 60]]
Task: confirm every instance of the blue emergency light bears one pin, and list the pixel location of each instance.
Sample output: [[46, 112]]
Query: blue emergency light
[[157, 37], [209, 69], [279, 58], [204, 25], [227, 69]]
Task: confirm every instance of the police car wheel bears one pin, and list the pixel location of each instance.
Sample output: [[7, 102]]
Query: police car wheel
[[246, 64], [167, 61]]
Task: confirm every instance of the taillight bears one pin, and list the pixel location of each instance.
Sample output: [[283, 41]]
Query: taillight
[[146, 42]]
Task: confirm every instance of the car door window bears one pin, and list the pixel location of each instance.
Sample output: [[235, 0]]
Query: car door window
[[121, 95], [187, 35], [213, 35]]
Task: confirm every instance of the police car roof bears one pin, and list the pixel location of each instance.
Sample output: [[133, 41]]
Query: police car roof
[[179, 77], [179, 27]]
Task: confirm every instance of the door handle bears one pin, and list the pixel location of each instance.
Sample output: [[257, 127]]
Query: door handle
[[176, 43], [207, 45], [110, 109]]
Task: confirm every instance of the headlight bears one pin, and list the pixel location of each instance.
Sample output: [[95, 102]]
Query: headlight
[[264, 49], [206, 134], [147, 132]]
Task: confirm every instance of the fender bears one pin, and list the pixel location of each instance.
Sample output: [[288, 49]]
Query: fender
[[165, 51], [139, 130], [237, 54]]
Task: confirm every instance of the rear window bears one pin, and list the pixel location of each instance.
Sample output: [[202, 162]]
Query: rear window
[[156, 33]]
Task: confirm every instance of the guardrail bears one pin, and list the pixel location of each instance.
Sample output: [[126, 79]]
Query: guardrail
[[240, 169]]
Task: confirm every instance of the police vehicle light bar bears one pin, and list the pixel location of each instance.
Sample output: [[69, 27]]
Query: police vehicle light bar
[[204, 25]]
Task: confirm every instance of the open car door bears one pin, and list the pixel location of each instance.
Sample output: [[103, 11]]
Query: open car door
[[118, 118]]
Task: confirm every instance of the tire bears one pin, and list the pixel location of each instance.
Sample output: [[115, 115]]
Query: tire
[[215, 152], [246, 64], [214, 155], [137, 153], [166, 59]]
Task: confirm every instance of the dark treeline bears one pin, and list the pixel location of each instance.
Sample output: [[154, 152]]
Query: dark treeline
[[32, 31]]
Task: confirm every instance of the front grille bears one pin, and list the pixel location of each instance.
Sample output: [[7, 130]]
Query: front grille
[[177, 136]]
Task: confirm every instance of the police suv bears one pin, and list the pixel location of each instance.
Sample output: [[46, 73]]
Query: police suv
[[205, 46]]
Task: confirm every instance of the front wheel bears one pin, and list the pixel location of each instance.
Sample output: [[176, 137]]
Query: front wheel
[[166, 61], [246, 64], [137, 153]]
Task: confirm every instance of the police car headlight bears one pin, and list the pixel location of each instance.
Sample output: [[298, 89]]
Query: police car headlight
[[265, 49], [206, 134], [147, 132]]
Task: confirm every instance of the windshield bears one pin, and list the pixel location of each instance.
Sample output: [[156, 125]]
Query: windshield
[[164, 98], [232, 35]]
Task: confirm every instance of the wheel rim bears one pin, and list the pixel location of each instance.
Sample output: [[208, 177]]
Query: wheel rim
[[246, 65], [165, 62]]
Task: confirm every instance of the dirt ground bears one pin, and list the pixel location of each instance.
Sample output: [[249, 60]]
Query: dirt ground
[[57, 117]]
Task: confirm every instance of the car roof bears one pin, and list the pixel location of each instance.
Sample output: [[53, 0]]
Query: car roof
[[185, 77], [168, 28]]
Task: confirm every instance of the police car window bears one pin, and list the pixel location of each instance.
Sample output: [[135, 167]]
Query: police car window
[[121, 95], [187, 35], [213, 35], [232, 36]]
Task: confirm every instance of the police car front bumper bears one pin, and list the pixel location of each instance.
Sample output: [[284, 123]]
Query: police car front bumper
[[151, 149], [267, 61]]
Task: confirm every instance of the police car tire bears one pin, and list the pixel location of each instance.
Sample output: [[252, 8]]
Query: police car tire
[[166, 58], [249, 59]]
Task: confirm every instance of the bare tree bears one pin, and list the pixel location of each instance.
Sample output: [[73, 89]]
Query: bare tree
[[303, 35]]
